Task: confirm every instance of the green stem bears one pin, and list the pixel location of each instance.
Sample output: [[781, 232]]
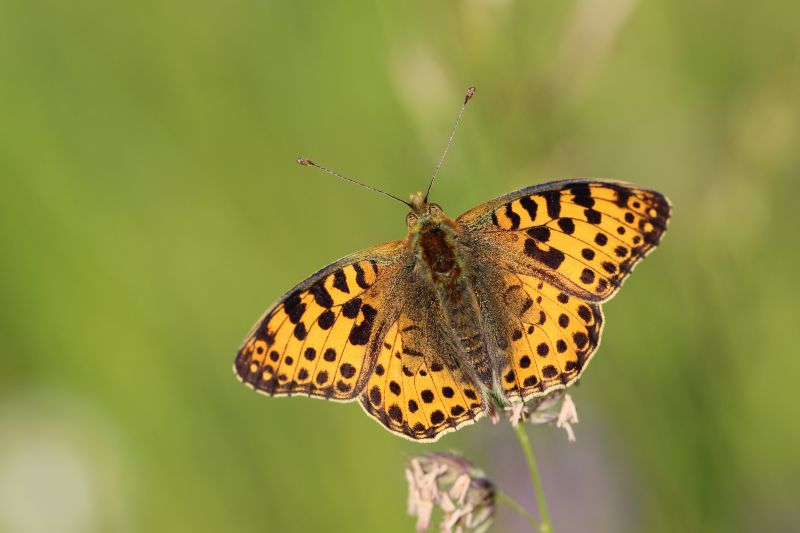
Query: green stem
[[545, 526], [511, 502]]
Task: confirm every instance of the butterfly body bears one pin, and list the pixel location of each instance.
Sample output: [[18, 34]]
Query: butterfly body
[[441, 262], [505, 299]]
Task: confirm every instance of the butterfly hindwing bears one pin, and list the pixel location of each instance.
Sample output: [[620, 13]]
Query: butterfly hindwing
[[415, 390], [551, 342], [584, 236], [320, 339]]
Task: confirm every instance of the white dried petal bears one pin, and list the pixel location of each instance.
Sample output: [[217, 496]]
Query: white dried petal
[[446, 503], [459, 489], [424, 513], [568, 416]]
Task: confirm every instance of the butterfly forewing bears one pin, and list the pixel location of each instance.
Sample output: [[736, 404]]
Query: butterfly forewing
[[320, 339], [585, 236]]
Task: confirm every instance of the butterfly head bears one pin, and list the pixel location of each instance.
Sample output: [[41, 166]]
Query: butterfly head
[[423, 213]]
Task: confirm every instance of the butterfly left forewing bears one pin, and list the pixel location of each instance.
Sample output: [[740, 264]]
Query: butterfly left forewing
[[319, 340], [584, 236]]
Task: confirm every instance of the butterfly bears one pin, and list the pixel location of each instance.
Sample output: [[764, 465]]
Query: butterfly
[[502, 301]]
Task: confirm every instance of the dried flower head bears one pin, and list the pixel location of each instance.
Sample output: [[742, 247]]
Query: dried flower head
[[556, 407], [450, 482]]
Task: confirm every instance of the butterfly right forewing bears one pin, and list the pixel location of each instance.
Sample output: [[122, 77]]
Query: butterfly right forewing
[[321, 338]]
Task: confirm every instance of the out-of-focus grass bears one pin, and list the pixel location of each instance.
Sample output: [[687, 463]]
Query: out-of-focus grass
[[151, 209]]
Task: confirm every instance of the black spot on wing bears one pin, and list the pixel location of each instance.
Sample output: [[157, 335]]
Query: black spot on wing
[[582, 195], [321, 294], [512, 216], [585, 313], [552, 257], [347, 370], [294, 307], [326, 319], [566, 225], [549, 371], [395, 413], [340, 281], [581, 189], [300, 331], [350, 309], [580, 339], [592, 216], [375, 396], [553, 200], [540, 233], [361, 280], [623, 194], [360, 333], [529, 205]]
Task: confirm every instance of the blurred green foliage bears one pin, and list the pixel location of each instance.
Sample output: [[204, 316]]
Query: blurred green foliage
[[151, 209]]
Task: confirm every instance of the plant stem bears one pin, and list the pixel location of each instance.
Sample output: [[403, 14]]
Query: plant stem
[[545, 526], [511, 502]]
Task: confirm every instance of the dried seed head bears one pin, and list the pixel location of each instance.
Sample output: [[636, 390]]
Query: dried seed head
[[556, 407], [463, 493]]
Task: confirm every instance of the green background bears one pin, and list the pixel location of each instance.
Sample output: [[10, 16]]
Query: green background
[[151, 209]]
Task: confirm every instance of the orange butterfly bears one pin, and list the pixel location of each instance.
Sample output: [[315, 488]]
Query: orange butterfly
[[503, 301]]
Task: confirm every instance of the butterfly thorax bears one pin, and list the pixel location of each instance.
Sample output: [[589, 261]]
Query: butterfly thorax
[[434, 239]]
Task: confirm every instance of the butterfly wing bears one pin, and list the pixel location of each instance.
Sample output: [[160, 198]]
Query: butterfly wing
[[550, 344], [321, 339], [550, 254], [420, 388], [584, 235]]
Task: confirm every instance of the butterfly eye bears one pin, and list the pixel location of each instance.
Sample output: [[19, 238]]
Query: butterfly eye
[[435, 209], [411, 219]]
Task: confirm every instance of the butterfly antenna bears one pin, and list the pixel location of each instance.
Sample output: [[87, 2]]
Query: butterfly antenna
[[467, 98], [304, 161]]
